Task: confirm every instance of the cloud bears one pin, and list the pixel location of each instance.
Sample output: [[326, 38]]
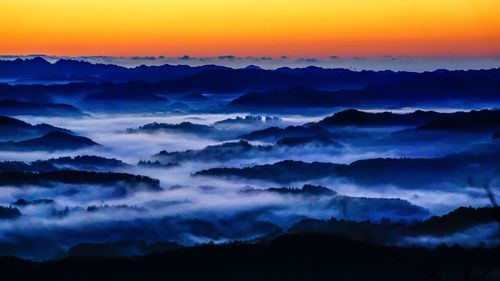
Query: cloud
[[308, 60], [388, 62], [228, 57], [193, 209]]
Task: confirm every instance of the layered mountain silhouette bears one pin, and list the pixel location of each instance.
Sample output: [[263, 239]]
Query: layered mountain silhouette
[[52, 141], [12, 129], [467, 168], [306, 190], [473, 121], [222, 152], [467, 122], [130, 97], [113, 88], [242, 149], [249, 120], [183, 128], [19, 166], [275, 134], [282, 172], [278, 193], [348, 207], [157, 164], [393, 232], [291, 98], [319, 141], [51, 179], [39, 69], [353, 117], [83, 162], [12, 107], [428, 89], [457, 127]]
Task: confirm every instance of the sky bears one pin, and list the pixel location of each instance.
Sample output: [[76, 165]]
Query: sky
[[297, 28]]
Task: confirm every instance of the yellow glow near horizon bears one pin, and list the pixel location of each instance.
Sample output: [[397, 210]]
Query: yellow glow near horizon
[[251, 27]]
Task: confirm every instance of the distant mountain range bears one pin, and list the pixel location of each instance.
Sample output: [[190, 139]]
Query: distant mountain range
[[38, 69], [102, 87], [428, 89]]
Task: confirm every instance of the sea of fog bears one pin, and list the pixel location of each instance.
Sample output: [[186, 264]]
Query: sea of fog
[[185, 196]]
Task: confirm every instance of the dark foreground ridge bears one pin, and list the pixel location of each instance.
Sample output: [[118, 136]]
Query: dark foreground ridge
[[289, 257]]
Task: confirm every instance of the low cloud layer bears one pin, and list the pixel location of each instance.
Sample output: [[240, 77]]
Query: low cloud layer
[[191, 209]]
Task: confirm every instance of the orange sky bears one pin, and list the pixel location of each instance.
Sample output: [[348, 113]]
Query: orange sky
[[251, 27]]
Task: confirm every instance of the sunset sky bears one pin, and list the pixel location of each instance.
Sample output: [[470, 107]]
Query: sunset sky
[[251, 27]]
